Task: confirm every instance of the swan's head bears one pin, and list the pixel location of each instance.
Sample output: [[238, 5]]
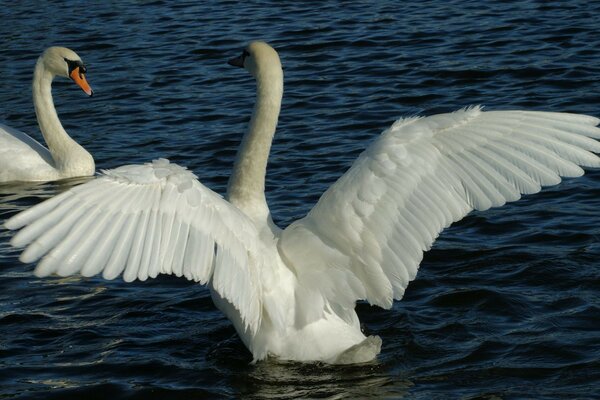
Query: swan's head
[[259, 59], [60, 61]]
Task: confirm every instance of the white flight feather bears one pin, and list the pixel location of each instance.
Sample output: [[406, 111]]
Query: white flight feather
[[434, 171], [143, 220]]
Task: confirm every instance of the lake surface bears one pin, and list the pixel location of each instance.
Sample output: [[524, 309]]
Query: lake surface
[[506, 304]]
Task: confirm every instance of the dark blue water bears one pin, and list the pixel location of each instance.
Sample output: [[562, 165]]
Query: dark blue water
[[505, 306]]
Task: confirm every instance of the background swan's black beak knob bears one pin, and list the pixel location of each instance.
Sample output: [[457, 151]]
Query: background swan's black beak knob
[[237, 62]]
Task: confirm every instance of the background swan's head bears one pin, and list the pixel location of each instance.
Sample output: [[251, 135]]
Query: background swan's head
[[259, 59], [60, 61]]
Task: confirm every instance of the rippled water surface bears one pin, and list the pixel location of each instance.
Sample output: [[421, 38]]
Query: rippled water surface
[[505, 306]]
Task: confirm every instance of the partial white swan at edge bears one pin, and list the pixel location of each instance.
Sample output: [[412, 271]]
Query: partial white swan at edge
[[291, 293], [22, 158]]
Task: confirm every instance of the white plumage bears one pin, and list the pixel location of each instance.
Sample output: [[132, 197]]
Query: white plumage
[[291, 293]]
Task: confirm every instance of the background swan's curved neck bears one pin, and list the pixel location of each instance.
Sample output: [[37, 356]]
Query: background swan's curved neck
[[59, 143], [246, 188]]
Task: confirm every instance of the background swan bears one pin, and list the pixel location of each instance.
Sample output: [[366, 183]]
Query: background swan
[[22, 158], [291, 293]]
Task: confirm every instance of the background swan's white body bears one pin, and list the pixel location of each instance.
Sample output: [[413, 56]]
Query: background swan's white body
[[20, 154], [22, 158], [291, 293]]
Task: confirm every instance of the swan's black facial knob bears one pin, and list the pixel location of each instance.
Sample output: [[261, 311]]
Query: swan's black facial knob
[[74, 65], [77, 72], [239, 61]]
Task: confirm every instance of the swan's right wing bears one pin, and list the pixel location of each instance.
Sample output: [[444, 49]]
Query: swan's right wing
[[366, 236], [145, 220]]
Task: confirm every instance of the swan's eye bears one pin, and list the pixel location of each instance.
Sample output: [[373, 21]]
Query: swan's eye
[[245, 54]]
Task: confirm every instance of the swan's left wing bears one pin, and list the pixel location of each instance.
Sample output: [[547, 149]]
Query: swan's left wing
[[145, 220], [366, 236]]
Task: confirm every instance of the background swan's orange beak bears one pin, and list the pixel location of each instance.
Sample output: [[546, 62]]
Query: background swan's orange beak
[[79, 79]]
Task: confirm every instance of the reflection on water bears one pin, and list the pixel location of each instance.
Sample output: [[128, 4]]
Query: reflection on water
[[287, 380]]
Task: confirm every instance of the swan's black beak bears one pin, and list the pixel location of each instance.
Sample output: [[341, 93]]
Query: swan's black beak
[[237, 61]]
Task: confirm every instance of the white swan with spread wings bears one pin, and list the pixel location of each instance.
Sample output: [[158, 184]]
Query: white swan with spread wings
[[291, 293], [22, 158]]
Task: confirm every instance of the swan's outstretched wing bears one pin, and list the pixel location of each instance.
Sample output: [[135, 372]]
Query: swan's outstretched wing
[[141, 221], [366, 236]]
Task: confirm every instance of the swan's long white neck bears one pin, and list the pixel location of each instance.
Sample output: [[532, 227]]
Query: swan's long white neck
[[67, 154], [246, 188]]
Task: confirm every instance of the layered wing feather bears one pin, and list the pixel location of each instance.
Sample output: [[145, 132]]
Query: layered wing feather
[[369, 230], [139, 221]]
